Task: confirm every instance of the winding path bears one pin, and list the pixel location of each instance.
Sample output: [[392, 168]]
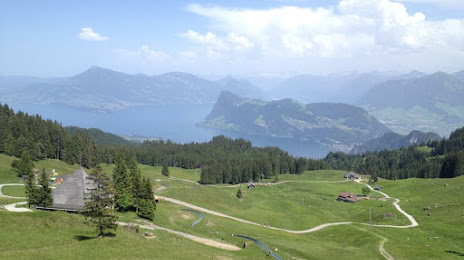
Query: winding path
[[263, 246], [209, 242], [198, 220], [205, 241], [10, 197]]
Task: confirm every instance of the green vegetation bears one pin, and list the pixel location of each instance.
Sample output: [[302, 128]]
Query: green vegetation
[[443, 159], [323, 122], [98, 210], [100, 137], [58, 235], [287, 205], [14, 191], [44, 192]]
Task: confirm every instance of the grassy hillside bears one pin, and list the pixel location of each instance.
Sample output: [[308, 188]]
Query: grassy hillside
[[302, 202]]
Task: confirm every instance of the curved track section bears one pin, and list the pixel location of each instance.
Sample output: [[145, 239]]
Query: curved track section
[[197, 212], [263, 246]]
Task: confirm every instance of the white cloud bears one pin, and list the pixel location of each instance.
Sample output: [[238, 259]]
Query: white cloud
[[218, 46], [89, 34], [351, 29], [144, 53]]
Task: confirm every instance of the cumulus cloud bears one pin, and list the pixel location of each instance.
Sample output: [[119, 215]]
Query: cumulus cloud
[[89, 34], [217, 46], [350, 29], [144, 53]]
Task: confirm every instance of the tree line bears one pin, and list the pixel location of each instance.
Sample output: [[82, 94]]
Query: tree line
[[445, 160], [222, 160]]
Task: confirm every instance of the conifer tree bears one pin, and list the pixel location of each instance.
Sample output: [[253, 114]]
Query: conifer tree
[[239, 193], [147, 203], [122, 184], [44, 192], [99, 203], [137, 185], [165, 170], [25, 171]]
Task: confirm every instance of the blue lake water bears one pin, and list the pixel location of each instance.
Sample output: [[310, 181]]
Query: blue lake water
[[174, 122]]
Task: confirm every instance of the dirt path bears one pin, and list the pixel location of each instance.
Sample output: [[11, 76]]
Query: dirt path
[[12, 207], [212, 212], [10, 197], [413, 221], [395, 203], [383, 251], [205, 241]]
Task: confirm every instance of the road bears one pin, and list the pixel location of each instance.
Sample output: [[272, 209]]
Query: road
[[10, 197], [205, 241]]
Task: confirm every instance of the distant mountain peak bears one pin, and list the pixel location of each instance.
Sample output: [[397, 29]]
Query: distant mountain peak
[[94, 71]]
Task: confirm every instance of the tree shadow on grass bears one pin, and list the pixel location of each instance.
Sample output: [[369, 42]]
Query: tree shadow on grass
[[456, 253], [83, 238]]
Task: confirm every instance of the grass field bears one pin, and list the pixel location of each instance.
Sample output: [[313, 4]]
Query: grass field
[[14, 191], [301, 202]]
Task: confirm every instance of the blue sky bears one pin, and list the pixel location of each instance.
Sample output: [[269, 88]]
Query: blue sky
[[62, 38]]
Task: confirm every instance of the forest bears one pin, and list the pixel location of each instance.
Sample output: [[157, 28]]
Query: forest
[[444, 159], [222, 160]]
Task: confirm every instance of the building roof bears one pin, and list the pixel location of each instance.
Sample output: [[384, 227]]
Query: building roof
[[70, 194], [351, 174], [347, 196]]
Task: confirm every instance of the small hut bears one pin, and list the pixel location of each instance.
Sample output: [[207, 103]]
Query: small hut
[[347, 197], [378, 187], [251, 185], [351, 175]]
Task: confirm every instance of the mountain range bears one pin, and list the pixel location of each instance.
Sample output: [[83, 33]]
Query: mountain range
[[392, 141], [429, 103], [338, 125], [103, 89]]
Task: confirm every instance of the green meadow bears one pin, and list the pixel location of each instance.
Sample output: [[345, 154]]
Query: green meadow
[[299, 202]]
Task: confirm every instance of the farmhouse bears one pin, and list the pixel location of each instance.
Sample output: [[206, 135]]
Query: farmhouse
[[347, 197], [251, 185], [351, 175], [69, 196], [377, 187]]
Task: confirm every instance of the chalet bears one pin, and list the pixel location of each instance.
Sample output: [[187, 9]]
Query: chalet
[[347, 197], [377, 187], [251, 185], [69, 196], [351, 175]]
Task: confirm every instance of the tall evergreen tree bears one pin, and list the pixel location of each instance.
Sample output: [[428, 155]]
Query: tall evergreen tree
[[165, 170], [137, 184], [44, 192], [147, 203], [26, 172], [122, 184], [25, 165], [99, 203]]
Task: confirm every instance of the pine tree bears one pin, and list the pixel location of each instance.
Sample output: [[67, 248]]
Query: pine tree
[[25, 171], [122, 185], [147, 203], [239, 194], [44, 192], [25, 165], [165, 170], [137, 185], [99, 203]]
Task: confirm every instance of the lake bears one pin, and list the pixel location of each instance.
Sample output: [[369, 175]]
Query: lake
[[174, 122]]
